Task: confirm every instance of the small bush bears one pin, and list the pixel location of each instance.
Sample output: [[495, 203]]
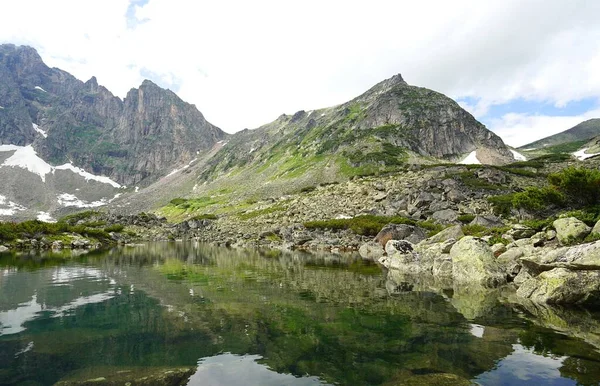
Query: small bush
[[76, 217], [466, 218], [178, 201], [114, 228], [539, 225], [581, 186], [205, 216], [367, 225], [536, 199]]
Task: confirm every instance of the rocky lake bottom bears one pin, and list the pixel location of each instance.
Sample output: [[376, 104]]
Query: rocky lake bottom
[[178, 313]]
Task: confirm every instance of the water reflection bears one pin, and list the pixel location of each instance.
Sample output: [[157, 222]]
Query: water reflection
[[272, 318], [229, 369]]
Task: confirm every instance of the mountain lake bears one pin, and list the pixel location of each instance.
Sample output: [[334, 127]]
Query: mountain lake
[[188, 313]]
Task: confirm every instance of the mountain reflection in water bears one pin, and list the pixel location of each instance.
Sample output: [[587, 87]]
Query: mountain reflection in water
[[187, 313]]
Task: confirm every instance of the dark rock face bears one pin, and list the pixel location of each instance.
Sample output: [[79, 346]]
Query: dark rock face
[[131, 140]]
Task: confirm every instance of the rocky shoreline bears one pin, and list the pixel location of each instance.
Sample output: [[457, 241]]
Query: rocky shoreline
[[449, 232]]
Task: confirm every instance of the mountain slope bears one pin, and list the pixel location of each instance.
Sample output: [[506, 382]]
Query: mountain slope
[[579, 133], [132, 141], [386, 129]]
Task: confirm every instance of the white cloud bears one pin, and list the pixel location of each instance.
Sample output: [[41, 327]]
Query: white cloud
[[521, 129], [244, 63]]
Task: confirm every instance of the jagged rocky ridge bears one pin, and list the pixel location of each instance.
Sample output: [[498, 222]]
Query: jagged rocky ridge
[[133, 140]]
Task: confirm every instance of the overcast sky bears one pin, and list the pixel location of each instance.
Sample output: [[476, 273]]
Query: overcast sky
[[525, 68]]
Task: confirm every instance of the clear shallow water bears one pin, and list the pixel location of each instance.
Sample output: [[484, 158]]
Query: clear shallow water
[[179, 311]]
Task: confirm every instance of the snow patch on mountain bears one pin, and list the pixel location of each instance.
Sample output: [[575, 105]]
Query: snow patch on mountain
[[518, 156], [471, 159], [10, 207], [88, 176], [37, 129], [45, 217], [26, 157]]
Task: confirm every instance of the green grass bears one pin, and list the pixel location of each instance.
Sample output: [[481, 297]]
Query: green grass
[[472, 181], [370, 225], [37, 229]]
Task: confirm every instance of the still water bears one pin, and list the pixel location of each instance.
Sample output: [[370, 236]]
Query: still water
[[187, 313]]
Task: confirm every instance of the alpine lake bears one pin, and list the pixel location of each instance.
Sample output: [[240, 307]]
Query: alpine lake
[[187, 313]]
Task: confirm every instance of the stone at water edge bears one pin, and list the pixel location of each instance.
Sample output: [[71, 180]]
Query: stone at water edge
[[3, 248], [563, 286], [454, 232], [371, 251], [398, 246], [570, 229], [473, 261], [577, 257], [400, 232]]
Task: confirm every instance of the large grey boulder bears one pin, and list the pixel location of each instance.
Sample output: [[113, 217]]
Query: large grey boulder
[[445, 216], [423, 199], [563, 286], [473, 261], [509, 261], [520, 231], [570, 230], [400, 232], [454, 232], [577, 257], [3, 248], [488, 221]]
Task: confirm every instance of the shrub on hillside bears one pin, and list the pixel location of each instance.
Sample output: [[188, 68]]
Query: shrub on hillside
[[581, 186]]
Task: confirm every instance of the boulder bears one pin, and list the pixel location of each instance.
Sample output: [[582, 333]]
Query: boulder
[[498, 249], [577, 257], [3, 248], [509, 260], [447, 245], [442, 267], [80, 243], [371, 251], [400, 232], [522, 277], [445, 216], [57, 244], [455, 196], [564, 287], [596, 228], [520, 231], [487, 221], [473, 261], [398, 246], [423, 199], [454, 232], [570, 230]]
